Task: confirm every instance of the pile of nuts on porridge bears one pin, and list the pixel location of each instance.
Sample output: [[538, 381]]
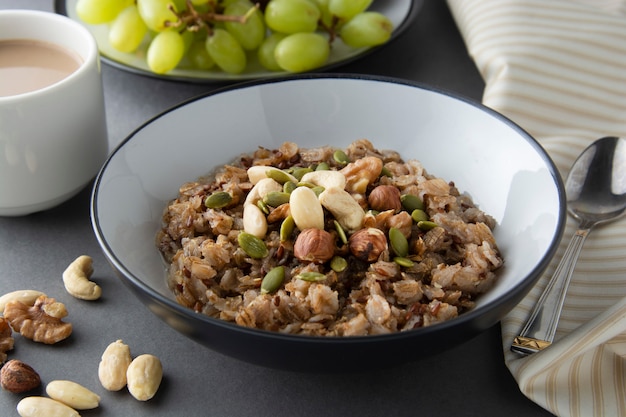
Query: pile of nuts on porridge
[[327, 242]]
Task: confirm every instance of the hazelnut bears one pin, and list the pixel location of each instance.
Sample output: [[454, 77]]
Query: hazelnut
[[385, 197], [18, 377], [368, 244], [314, 245]]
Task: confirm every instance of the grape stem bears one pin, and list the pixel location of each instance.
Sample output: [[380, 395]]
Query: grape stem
[[193, 20]]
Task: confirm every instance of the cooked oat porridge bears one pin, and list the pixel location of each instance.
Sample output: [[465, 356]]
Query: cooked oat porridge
[[327, 242]]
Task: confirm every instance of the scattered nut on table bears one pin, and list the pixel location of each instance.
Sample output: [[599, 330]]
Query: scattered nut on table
[[41, 322], [18, 377], [27, 297], [76, 279], [44, 407], [144, 376], [72, 394], [6, 339], [113, 366]]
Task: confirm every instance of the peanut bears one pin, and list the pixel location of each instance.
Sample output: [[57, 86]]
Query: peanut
[[113, 366], [72, 394], [27, 297], [144, 376], [76, 279], [44, 407]]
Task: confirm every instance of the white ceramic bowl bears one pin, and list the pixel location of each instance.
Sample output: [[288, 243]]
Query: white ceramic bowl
[[506, 171]]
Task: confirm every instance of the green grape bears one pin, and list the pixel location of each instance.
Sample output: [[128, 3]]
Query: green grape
[[165, 51], [347, 9], [292, 16], [226, 51], [366, 29], [265, 53], [249, 34], [127, 30], [156, 12], [96, 12], [199, 56], [301, 52]]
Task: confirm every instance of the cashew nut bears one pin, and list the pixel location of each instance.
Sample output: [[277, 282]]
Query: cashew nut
[[261, 188], [326, 179], [27, 297], [344, 207], [76, 279]]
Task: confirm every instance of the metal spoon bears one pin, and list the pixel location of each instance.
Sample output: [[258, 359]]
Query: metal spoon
[[596, 193]]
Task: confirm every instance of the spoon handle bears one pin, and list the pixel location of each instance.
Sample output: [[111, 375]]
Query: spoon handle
[[538, 332]]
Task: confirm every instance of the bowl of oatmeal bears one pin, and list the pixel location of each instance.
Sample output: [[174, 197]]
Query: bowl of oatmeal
[[316, 222]]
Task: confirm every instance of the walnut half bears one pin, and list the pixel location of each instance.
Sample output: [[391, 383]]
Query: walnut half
[[42, 322]]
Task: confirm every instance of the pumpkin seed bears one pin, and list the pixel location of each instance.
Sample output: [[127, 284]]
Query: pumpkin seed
[[322, 166], [273, 279], [276, 198], [402, 261], [289, 186], [419, 215], [278, 175], [286, 228], [426, 225], [341, 232], [252, 245], [263, 206], [298, 173], [318, 190], [217, 200], [386, 173], [399, 244], [311, 276], [338, 264], [411, 202], [340, 157]]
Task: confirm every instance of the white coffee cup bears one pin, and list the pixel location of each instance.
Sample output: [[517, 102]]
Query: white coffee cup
[[53, 140]]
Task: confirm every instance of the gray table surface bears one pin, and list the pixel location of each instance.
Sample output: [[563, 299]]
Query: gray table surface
[[469, 380]]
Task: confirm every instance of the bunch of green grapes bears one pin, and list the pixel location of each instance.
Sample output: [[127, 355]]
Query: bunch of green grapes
[[285, 35]]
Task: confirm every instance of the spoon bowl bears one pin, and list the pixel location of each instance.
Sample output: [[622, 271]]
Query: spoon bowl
[[596, 193]]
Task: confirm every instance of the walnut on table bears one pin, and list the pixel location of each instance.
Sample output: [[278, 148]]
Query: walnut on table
[[41, 322], [6, 339]]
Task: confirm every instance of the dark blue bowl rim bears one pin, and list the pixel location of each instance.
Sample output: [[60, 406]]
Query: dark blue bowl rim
[[467, 318]]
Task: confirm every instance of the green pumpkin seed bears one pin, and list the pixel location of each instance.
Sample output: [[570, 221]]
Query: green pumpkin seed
[[341, 232], [306, 184], [278, 175], [426, 225], [217, 200], [318, 190], [276, 198], [399, 244], [419, 215], [311, 276], [322, 166], [261, 204], [273, 279], [402, 261], [338, 264], [340, 157], [289, 186], [298, 173], [286, 228], [252, 245], [386, 173], [411, 202]]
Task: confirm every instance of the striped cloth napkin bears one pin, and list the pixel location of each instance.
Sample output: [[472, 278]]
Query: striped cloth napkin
[[558, 69]]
